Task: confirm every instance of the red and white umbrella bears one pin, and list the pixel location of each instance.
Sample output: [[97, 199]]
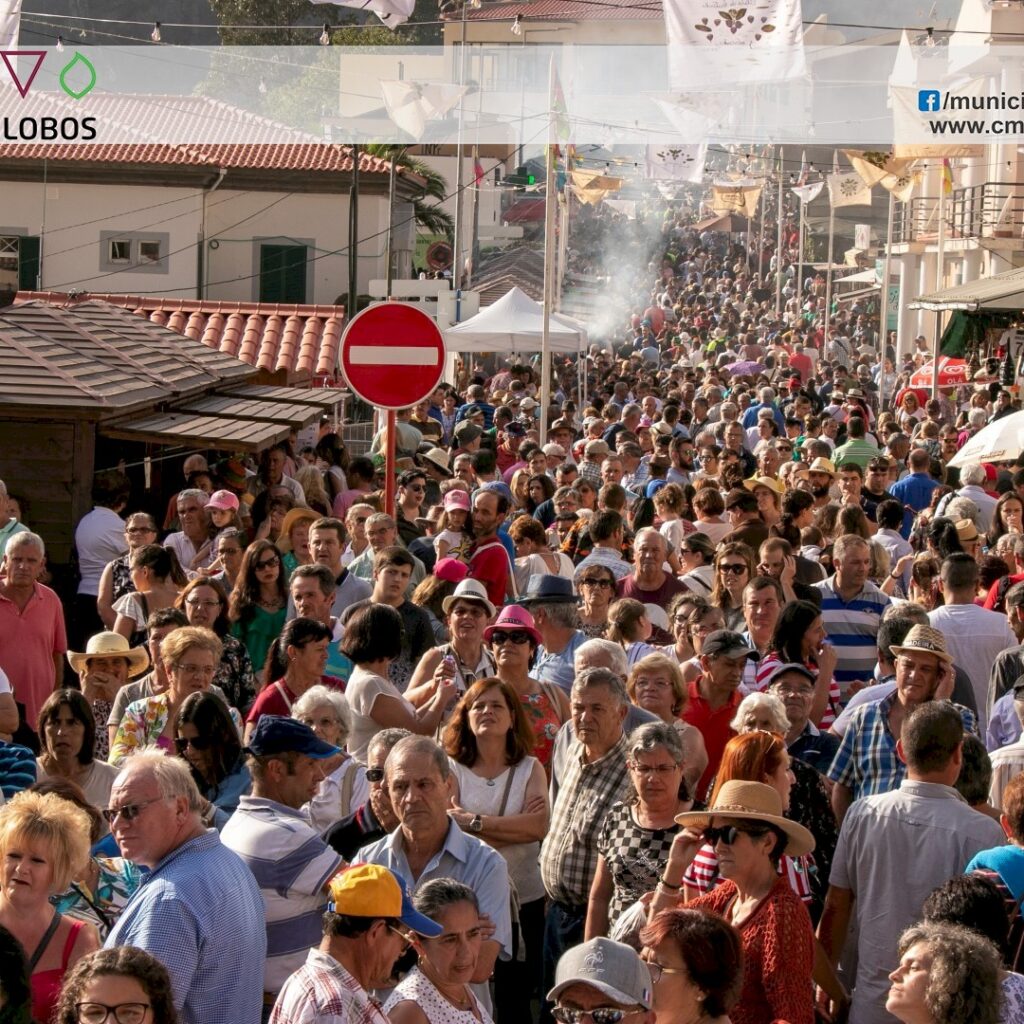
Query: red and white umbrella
[[951, 373]]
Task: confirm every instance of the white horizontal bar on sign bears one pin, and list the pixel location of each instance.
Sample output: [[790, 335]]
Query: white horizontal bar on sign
[[392, 355]]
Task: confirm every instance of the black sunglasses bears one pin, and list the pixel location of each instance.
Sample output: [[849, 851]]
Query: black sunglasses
[[599, 1015], [729, 834], [733, 567], [181, 744], [374, 774], [515, 636]]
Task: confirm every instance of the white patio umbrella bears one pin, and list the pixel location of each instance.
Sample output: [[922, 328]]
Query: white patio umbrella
[[1000, 441], [391, 12], [515, 323]]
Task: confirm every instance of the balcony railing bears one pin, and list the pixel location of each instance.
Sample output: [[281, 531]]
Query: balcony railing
[[989, 210]]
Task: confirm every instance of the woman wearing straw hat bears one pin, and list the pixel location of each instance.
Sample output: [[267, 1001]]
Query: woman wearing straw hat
[[746, 827], [106, 664]]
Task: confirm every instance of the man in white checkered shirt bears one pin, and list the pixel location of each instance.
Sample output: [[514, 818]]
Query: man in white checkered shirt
[[365, 928]]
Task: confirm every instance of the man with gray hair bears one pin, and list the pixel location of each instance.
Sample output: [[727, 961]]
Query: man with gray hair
[[972, 485], [192, 543], [554, 606], [594, 780], [649, 583], [382, 532], [766, 400], [429, 844], [199, 906], [33, 638], [9, 525]]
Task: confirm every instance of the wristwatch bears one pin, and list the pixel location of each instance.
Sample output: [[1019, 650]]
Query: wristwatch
[[476, 823]]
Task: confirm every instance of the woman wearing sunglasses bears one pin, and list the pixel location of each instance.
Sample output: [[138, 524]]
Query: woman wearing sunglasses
[[123, 985], [734, 569], [596, 585], [514, 639], [437, 990], [259, 603], [207, 739], [746, 830]]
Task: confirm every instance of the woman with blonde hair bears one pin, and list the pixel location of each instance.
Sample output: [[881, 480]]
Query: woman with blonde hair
[[656, 685], [44, 846], [312, 482]]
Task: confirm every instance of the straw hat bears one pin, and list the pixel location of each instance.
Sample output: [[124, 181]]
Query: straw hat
[[924, 639], [772, 483], [752, 801], [110, 645], [292, 518], [820, 465]]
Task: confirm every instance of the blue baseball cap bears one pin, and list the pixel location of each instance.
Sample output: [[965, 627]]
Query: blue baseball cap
[[276, 734]]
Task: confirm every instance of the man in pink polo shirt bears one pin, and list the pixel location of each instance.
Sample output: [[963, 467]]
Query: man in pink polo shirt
[[32, 636]]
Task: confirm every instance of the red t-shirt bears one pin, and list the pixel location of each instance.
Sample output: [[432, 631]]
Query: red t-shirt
[[714, 727], [491, 566], [277, 699]]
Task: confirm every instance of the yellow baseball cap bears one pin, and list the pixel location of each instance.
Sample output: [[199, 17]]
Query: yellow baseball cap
[[370, 890]]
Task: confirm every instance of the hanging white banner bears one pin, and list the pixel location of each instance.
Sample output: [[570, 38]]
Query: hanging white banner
[[391, 12], [712, 41], [807, 193]]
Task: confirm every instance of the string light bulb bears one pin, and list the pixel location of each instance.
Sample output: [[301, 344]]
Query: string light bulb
[[155, 34], [517, 25], [325, 36], [262, 87], [60, 44], [929, 36]]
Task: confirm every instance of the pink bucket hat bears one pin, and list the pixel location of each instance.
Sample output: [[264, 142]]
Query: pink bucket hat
[[456, 498], [514, 617]]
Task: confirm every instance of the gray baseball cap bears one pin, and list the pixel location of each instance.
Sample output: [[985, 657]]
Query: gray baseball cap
[[613, 968]]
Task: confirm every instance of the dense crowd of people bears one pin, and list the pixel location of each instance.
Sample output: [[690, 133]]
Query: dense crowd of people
[[705, 704]]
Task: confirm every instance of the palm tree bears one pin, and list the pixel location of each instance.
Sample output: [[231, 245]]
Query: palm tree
[[427, 209]]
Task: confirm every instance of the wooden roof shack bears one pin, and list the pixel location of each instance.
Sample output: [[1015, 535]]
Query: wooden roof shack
[[91, 386]]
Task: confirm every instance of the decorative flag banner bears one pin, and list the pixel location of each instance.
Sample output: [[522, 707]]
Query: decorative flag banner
[[391, 12], [740, 199], [895, 175], [848, 190], [560, 128], [676, 161], [804, 169], [10, 18], [947, 177], [808, 193], [412, 105], [710, 44], [911, 123]]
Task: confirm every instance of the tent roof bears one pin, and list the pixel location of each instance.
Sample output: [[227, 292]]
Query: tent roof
[[514, 323], [1003, 291]]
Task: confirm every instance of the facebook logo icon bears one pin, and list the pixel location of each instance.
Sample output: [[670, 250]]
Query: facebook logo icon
[[929, 99]]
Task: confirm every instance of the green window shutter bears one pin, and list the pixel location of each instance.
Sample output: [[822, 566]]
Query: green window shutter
[[283, 273], [28, 262]]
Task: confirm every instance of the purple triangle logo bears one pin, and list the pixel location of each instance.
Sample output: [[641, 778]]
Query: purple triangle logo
[[23, 86]]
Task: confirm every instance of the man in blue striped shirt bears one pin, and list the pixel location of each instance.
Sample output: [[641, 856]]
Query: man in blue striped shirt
[[851, 609], [291, 862], [198, 910]]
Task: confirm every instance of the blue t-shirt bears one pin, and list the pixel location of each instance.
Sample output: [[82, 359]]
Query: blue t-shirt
[[1007, 861]]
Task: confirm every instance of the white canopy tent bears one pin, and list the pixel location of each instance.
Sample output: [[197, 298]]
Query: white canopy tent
[[515, 323]]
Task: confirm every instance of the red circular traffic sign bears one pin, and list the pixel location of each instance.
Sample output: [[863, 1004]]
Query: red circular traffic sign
[[392, 355]]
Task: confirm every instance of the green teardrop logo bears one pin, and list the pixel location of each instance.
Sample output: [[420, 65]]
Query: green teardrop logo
[[87, 75]]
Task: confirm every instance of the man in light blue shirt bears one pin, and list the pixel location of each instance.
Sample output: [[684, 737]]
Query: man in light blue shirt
[[554, 605], [198, 910], [429, 844]]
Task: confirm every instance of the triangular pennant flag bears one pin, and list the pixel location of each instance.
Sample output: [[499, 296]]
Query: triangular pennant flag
[[391, 12], [808, 193]]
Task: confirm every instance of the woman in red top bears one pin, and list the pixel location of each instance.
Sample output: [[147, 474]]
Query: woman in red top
[[44, 845], [746, 827]]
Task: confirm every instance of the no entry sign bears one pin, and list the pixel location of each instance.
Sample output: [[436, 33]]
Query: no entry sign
[[392, 355]]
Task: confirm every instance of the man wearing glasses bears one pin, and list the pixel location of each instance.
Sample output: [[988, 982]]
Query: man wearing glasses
[[602, 982], [290, 862], [199, 906]]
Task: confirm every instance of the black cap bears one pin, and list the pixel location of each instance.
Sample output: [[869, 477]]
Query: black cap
[[741, 498], [728, 644]]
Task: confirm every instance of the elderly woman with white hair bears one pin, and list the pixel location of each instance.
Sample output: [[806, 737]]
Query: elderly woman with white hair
[[973, 478], [344, 788]]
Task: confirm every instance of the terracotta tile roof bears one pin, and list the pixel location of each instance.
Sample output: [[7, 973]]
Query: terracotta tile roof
[[298, 339], [520, 267], [570, 10], [206, 123]]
